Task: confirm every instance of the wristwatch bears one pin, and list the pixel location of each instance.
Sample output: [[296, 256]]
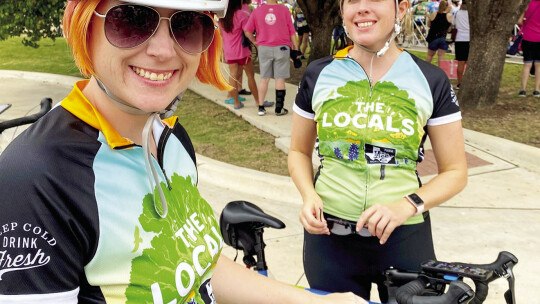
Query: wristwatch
[[417, 202]]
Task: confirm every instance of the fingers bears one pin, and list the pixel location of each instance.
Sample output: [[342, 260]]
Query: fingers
[[386, 234], [366, 215], [313, 221], [380, 220]]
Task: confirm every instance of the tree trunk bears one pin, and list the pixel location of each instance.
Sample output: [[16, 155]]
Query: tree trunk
[[491, 23], [322, 16]]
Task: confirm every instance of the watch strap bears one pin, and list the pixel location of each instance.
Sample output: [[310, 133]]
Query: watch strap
[[417, 202]]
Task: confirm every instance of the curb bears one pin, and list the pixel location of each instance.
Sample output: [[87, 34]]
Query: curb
[[521, 155], [248, 181], [62, 80]]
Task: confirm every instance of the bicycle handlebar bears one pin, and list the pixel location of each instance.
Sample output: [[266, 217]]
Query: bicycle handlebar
[[436, 275], [502, 267], [411, 293], [242, 226], [46, 105]]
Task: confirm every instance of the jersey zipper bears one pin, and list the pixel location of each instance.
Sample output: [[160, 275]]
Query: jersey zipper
[[368, 175]]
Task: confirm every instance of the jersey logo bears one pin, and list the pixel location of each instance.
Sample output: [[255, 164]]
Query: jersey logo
[[380, 155], [206, 292], [138, 240], [23, 246], [270, 18], [453, 96]]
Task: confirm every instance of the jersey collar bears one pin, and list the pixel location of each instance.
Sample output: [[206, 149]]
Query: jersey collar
[[77, 104]]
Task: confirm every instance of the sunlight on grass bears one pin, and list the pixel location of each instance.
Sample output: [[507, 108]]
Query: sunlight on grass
[[221, 135], [51, 57]]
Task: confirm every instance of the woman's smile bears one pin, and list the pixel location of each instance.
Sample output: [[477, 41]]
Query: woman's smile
[[152, 75]]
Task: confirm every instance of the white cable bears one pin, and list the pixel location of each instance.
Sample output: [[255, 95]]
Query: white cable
[[151, 171]]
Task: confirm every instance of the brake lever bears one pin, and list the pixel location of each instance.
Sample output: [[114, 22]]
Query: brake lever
[[506, 271], [509, 295]]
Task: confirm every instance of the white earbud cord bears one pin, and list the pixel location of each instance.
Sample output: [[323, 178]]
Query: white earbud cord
[[153, 176]]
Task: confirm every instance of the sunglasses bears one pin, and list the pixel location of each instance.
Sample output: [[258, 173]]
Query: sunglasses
[[343, 227], [128, 26]]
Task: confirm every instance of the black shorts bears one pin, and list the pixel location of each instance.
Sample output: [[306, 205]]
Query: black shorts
[[352, 263], [303, 30], [462, 50], [531, 51]]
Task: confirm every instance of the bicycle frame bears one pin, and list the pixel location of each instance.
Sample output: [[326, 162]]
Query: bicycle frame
[[242, 224]]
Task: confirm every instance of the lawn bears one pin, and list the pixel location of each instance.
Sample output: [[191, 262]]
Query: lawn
[[219, 134]]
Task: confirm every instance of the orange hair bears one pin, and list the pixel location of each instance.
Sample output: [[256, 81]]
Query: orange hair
[[76, 25]]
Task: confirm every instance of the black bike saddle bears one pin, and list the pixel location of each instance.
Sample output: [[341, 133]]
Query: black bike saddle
[[238, 212]]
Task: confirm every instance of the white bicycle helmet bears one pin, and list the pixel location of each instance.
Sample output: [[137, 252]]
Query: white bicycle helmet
[[219, 7]]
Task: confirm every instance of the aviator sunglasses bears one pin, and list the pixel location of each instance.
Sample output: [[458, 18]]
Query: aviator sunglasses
[[128, 26]]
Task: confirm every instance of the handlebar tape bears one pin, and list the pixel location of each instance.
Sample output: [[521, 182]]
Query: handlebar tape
[[411, 292], [481, 289], [46, 104]]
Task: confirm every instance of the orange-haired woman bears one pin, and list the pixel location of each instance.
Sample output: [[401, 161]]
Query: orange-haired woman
[[99, 197]]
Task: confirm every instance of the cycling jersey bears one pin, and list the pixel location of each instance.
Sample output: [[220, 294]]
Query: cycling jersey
[[78, 222], [370, 139]]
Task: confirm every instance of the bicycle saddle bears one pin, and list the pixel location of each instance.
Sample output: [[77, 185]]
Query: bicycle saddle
[[239, 212]]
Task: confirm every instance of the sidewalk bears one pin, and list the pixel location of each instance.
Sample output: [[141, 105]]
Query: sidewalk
[[498, 210]]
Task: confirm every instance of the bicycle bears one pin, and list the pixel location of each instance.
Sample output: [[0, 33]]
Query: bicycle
[[45, 106], [242, 226]]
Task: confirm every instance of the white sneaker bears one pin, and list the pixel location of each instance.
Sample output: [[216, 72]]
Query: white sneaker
[[262, 111]]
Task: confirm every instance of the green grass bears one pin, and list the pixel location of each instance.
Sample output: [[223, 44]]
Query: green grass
[[219, 134], [51, 57], [214, 130]]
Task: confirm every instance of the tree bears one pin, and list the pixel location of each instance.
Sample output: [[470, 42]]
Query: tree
[[322, 16], [33, 19], [491, 23]]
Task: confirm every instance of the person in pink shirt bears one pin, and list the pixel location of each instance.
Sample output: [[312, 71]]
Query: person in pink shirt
[[530, 25], [246, 8], [275, 38], [237, 56]]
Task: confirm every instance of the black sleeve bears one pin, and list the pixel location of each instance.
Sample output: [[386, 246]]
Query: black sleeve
[[308, 82], [444, 98], [183, 136], [48, 223]]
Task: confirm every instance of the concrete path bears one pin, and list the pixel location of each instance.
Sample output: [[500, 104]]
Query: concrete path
[[498, 210]]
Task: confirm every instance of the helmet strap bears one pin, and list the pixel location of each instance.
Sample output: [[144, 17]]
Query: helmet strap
[[126, 107]]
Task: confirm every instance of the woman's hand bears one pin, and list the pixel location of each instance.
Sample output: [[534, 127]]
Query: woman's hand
[[311, 216], [345, 298], [382, 219]]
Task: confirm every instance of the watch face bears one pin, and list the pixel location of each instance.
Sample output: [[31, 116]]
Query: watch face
[[416, 199]]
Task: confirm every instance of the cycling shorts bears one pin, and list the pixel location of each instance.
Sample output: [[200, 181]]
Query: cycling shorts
[[462, 50], [531, 51], [352, 263], [303, 30]]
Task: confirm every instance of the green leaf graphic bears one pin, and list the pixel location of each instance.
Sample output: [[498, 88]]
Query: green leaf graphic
[[381, 116], [159, 263]]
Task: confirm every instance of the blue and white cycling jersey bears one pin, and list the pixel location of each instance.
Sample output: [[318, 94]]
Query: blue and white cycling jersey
[[78, 222], [371, 138]]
